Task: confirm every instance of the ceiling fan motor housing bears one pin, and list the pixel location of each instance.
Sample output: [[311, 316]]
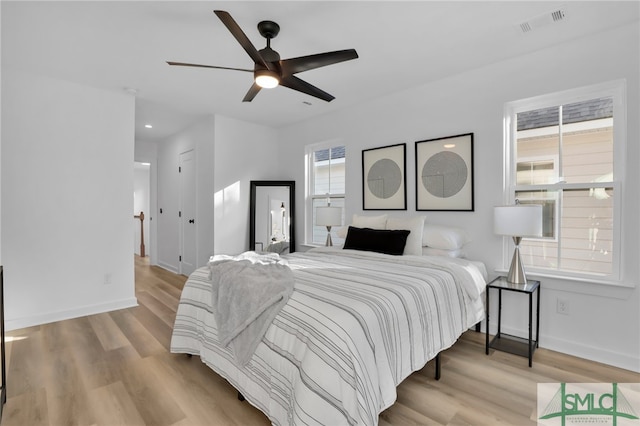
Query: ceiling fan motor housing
[[269, 55]]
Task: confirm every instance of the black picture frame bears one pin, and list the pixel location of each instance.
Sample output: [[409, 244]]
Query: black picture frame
[[444, 173], [384, 178]]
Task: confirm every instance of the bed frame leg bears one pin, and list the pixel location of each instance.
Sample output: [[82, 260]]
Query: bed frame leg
[[240, 396], [478, 327], [438, 366]]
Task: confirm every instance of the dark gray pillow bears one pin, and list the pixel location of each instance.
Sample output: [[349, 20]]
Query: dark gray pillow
[[387, 241]]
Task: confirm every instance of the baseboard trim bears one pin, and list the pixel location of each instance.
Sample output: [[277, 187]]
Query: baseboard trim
[[168, 267], [18, 323], [615, 359], [592, 353]]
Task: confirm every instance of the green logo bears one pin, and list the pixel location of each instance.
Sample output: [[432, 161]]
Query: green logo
[[588, 403]]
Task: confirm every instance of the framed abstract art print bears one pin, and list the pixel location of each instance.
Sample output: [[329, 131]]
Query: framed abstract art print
[[384, 182], [444, 173]]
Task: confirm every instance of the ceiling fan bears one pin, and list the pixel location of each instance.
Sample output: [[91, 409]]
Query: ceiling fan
[[269, 70]]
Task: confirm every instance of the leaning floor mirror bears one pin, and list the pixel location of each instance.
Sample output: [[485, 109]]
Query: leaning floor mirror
[[272, 216]]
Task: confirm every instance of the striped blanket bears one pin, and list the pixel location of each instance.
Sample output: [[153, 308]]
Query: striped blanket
[[356, 325]]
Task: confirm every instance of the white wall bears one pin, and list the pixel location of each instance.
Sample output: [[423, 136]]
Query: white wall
[[229, 154], [243, 152], [67, 184], [604, 322], [200, 138]]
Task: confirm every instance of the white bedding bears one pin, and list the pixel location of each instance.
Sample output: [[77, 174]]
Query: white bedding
[[356, 325]]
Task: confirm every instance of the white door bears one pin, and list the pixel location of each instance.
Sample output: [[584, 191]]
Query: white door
[[187, 213]]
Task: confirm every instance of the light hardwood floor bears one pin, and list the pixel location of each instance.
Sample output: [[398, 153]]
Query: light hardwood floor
[[115, 369]]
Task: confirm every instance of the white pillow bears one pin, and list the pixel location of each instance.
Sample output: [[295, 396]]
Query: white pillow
[[415, 225], [429, 251], [373, 222], [444, 237]]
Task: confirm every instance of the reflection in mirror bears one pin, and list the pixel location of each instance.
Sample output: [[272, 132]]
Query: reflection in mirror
[[272, 216], [3, 365]]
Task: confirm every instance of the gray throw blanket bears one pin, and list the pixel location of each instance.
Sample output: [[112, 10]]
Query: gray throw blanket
[[248, 292]]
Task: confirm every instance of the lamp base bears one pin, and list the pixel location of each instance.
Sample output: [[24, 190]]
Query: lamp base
[[328, 242], [516, 271]]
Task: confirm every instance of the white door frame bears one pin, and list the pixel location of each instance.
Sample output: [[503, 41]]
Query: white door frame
[[152, 245], [187, 207]]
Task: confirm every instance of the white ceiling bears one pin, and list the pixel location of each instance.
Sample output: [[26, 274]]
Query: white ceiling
[[118, 45]]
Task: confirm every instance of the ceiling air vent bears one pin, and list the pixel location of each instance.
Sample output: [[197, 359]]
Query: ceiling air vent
[[543, 20], [558, 15]]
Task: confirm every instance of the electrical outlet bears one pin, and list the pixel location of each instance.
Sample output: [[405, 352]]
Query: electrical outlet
[[107, 279], [562, 306]]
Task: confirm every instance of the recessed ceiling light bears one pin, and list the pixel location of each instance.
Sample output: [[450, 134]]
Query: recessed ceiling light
[[148, 126], [449, 145], [145, 164]]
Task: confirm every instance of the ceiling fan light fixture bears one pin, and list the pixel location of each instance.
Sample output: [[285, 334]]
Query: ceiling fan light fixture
[[267, 79]]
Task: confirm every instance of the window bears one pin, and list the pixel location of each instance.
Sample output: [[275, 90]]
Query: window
[[564, 152], [326, 184]]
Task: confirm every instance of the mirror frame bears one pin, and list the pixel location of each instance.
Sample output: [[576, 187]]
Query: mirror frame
[[291, 184]]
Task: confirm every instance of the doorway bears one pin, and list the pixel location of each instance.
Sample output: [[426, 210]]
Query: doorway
[[141, 204]]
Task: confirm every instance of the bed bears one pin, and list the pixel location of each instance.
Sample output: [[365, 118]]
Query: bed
[[356, 325]]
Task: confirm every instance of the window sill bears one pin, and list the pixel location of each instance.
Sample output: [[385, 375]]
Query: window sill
[[580, 285]]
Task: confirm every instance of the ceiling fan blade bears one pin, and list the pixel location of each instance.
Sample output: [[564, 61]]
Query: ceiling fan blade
[[304, 63], [253, 91], [293, 82], [242, 38], [183, 64]]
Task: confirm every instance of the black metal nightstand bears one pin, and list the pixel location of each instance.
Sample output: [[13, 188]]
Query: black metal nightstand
[[513, 344]]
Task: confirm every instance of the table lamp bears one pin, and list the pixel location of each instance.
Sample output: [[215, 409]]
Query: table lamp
[[518, 221], [328, 216]]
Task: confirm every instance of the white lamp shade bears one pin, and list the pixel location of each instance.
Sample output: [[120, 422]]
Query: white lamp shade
[[328, 216], [520, 220]]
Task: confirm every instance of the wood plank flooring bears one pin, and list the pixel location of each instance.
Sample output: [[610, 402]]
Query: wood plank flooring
[[115, 369]]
